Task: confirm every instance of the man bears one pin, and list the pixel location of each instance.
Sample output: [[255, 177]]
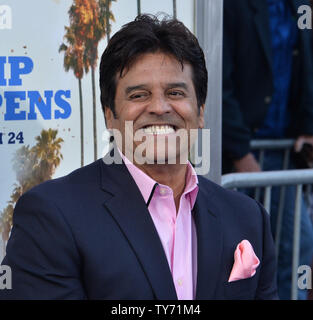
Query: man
[[143, 230], [268, 94]]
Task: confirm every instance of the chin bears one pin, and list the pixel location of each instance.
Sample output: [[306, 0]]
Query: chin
[[169, 159]]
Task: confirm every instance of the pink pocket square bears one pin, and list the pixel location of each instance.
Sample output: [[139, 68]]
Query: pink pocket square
[[245, 263]]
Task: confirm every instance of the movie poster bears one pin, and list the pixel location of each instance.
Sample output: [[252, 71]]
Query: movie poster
[[51, 121]]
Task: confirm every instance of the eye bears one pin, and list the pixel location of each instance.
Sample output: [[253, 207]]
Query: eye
[[139, 95], [176, 93]]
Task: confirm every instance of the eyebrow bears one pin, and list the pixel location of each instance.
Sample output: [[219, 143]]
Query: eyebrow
[[133, 88], [177, 85], [168, 86]]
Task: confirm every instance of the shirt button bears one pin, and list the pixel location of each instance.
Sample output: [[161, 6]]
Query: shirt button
[[180, 282], [163, 191], [268, 99]]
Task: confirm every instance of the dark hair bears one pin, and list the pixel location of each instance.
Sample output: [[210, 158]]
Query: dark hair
[[148, 34]]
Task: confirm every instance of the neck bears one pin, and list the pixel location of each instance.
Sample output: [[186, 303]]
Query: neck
[[171, 175]]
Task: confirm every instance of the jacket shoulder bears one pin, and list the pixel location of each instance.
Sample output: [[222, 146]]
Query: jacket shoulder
[[222, 192], [89, 174], [232, 205]]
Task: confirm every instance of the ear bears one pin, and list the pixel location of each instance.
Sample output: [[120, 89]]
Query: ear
[[201, 117], [108, 115]]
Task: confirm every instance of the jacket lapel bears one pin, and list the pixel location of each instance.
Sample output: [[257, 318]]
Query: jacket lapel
[[209, 240], [261, 20], [135, 222]]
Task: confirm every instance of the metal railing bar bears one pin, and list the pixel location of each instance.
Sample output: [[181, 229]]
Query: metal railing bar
[[257, 191], [266, 178], [272, 144], [296, 244], [281, 204], [281, 178], [267, 199], [279, 218]]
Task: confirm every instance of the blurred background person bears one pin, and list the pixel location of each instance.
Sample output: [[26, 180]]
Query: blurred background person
[[268, 94]]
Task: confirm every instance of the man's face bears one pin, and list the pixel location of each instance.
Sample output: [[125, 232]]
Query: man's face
[[159, 97]]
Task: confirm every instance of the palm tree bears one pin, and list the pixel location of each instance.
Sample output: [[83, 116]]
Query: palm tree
[[48, 152], [73, 60], [6, 224], [32, 166], [84, 20], [174, 9], [102, 14], [88, 23], [138, 7], [24, 161], [88, 20], [105, 16]]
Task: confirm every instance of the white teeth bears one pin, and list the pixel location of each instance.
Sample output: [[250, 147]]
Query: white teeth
[[159, 129]]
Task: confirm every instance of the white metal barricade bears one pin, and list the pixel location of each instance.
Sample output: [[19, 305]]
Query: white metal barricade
[[267, 180]]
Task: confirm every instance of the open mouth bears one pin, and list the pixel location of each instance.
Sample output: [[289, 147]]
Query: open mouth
[[159, 129]]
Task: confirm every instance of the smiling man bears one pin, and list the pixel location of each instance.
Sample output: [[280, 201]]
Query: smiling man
[[158, 97], [144, 226]]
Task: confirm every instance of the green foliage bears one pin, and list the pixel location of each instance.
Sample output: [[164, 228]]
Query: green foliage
[[89, 23], [32, 166]]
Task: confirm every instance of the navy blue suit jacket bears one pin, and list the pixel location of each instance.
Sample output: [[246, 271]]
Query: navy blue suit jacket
[[89, 235]]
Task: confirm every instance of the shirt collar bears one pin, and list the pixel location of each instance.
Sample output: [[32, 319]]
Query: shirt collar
[[147, 185]]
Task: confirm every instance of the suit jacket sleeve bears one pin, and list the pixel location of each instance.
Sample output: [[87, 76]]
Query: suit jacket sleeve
[[236, 135], [267, 286], [42, 253]]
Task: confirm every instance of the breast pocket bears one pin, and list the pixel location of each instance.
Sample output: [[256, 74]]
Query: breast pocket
[[240, 289]]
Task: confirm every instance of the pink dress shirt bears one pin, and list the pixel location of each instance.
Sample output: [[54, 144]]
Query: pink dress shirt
[[177, 232]]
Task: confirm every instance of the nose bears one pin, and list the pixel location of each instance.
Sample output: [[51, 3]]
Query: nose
[[159, 105]]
